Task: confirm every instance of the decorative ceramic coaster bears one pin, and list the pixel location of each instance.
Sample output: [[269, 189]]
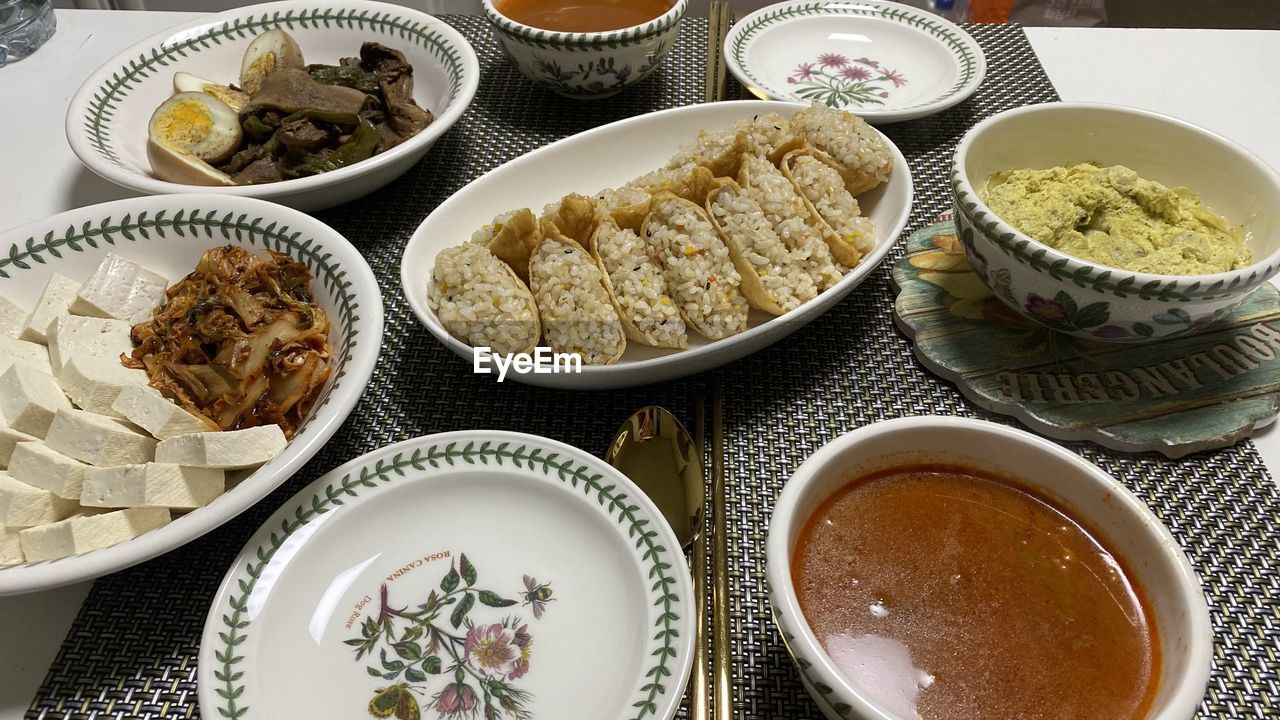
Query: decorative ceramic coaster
[[1194, 392], [885, 61]]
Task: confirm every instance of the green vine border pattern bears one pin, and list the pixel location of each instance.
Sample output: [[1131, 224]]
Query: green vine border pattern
[[235, 625], [576, 42], [26, 254], [102, 108], [963, 48], [1102, 281]]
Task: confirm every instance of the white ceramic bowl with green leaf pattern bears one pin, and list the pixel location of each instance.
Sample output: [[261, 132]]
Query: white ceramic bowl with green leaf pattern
[[1126, 526], [107, 119], [586, 65], [471, 574], [1096, 302], [168, 234]]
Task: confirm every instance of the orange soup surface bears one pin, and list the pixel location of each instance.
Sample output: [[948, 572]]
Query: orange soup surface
[[582, 15], [942, 592]]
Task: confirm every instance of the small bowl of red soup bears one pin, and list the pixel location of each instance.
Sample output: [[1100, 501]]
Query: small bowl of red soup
[[937, 567], [585, 49]]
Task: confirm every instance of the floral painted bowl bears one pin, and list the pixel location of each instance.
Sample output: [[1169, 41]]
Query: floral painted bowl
[[1129, 527], [1097, 302], [586, 65]]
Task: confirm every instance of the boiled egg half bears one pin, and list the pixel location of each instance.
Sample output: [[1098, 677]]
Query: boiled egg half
[[186, 82], [188, 132], [269, 51]]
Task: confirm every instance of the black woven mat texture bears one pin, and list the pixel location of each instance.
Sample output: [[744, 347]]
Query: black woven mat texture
[[132, 650]]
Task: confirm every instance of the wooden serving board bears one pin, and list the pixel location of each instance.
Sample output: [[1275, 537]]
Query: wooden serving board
[[1196, 392]]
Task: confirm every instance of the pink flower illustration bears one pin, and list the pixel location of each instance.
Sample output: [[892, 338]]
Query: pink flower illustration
[[855, 73], [457, 699], [492, 647], [893, 76], [833, 60], [868, 62], [884, 94], [803, 71], [524, 641], [1049, 310]]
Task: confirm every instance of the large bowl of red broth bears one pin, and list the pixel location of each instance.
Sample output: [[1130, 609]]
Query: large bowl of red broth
[[935, 567], [585, 49]]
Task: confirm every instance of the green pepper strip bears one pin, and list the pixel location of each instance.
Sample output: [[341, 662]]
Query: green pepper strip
[[359, 146]]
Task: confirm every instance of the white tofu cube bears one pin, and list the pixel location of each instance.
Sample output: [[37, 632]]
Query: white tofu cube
[[147, 408], [98, 440], [23, 506], [228, 450], [29, 398], [11, 317], [9, 439], [21, 352], [57, 297], [93, 384], [74, 336], [35, 464], [120, 289], [151, 485], [10, 547], [89, 530]]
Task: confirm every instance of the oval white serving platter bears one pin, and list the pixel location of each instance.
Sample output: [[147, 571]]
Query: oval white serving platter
[[609, 156], [438, 576], [106, 121], [885, 61], [168, 234]]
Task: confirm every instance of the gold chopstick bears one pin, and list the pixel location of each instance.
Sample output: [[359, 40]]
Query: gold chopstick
[[713, 51], [698, 690], [722, 680], [719, 18]]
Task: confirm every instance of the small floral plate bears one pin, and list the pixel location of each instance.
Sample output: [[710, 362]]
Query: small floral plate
[[884, 61], [472, 574]]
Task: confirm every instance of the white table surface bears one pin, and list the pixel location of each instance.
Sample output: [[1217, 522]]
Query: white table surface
[[1215, 78]]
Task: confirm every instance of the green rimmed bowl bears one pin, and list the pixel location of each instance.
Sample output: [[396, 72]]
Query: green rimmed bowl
[[591, 65], [106, 121], [1092, 301], [168, 234]]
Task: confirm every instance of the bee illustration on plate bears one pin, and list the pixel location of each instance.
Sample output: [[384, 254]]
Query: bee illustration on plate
[[537, 595], [397, 700]]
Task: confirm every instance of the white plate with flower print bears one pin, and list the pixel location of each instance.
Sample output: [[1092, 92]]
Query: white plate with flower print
[[468, 574], [884, 61]]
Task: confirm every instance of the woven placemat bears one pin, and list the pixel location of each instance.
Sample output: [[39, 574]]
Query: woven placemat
[[131, 652]]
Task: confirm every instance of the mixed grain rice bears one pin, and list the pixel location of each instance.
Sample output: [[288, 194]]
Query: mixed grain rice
[[577, 314], [639, 286], [823, 186], [696, 264], [847, 138], [785, 280], [786, 211], [480, 302]]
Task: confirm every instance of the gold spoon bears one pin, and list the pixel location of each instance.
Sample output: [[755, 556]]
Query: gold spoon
[[654, 450]]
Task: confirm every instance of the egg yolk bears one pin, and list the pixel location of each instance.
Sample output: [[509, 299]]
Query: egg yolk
[[185, 124], [258, 70]]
